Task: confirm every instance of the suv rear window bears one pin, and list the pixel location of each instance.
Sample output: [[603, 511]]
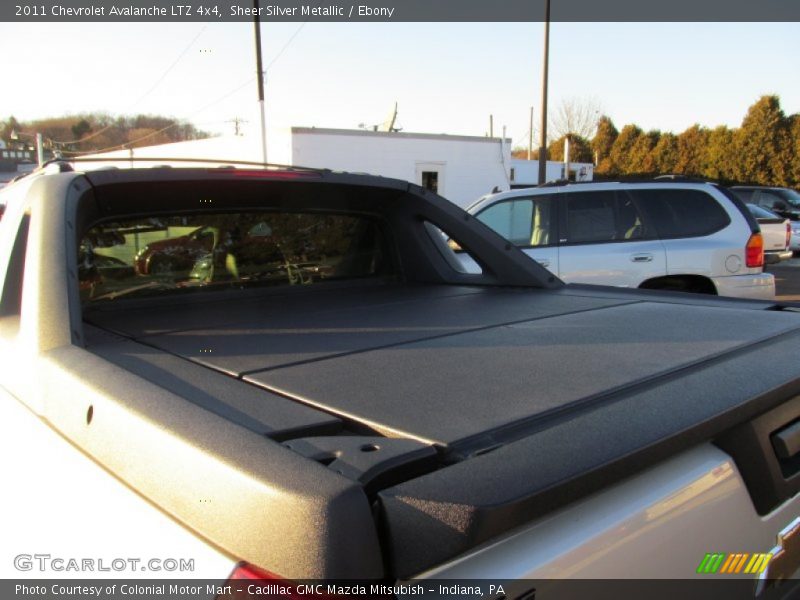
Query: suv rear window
[[208, 251], [682, 213]]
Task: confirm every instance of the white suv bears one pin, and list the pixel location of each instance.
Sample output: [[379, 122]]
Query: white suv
[[671, 235]]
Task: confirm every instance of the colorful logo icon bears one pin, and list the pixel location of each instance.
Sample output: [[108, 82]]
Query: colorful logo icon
[[724, 563]]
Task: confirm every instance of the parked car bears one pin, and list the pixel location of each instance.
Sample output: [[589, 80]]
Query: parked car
[[401, 419], [784, 202], [668, 234], [794, 245], [215, 253], [777, 232], [176, 255]]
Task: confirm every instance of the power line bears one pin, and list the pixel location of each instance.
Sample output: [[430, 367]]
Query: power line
[[149, 135], [286, 45], [251, 79], [143, 96], [172, 66], [125, 144], [207, 106], [221, 98], [522, 138]]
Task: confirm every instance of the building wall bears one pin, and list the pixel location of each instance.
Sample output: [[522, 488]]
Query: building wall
[[468, 167]]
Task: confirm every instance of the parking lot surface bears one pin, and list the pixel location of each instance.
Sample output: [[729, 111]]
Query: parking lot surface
[[787, 280]]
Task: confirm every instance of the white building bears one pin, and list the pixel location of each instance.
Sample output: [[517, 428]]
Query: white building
[[460, 168]]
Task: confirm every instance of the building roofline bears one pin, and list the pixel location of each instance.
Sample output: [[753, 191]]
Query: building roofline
[[398, 134]]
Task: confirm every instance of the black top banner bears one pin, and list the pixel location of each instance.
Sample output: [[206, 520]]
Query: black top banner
[[402, 11]]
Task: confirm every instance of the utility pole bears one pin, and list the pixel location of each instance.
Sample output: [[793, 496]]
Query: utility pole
[[260, 77], [566, 157], [491, 126], [530, 137], [39, 144], [39, 149], [236, 121], [543, 134]]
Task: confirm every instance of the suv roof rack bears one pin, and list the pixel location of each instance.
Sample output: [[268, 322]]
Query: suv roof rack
[[223, 163], [686, 179], [657, 178], [62, 164]]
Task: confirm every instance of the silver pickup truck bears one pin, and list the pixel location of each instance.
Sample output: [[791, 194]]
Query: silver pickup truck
[[309, 386]]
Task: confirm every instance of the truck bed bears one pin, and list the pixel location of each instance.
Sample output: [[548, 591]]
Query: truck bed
[[476, 359], [509, 401]]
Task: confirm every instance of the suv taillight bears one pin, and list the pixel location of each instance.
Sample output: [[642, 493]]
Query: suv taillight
[[788, 234], [754, 251]]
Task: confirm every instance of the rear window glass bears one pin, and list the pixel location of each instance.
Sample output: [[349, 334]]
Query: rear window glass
[[791, 196], [682, 213], [209, 251], [745, 195], [761, 213]]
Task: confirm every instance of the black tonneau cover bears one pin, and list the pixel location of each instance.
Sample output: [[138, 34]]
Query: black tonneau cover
[[538, 396], [447, 366], [456, 406]]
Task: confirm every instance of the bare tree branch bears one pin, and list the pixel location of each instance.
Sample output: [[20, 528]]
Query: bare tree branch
[[575, 116]]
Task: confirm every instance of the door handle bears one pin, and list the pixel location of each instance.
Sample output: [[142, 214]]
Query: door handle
[[641, 258]]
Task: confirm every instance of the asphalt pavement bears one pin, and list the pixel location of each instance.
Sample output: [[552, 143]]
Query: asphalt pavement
[[787, 279]]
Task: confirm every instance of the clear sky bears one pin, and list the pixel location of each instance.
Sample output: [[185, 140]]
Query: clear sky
[[446, 77]]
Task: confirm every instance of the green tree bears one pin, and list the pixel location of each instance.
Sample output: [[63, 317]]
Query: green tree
[[579, 149], [794, 162], [603, 141], [81, 128], [692, 152], [665, 154], [719, 154], [620, 154], [761, 144], [641, 160]]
